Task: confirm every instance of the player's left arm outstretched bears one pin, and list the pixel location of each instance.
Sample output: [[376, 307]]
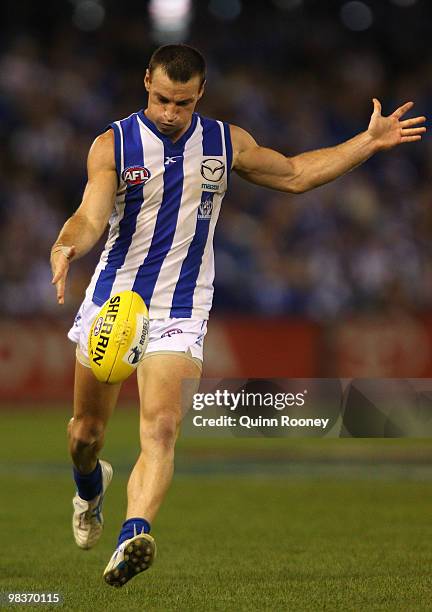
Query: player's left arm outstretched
[[303, 172]]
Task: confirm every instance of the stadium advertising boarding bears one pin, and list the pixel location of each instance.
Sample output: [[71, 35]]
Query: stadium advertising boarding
[[350, 349]]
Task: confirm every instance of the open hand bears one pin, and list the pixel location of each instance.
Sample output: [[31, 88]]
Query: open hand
[[392, 130], [60, 258]]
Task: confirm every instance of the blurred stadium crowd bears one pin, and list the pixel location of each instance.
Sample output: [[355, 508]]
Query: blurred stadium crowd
[[296, 82]]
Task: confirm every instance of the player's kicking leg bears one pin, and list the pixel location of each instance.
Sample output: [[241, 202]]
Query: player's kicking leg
[[93, 405], [160, 379]]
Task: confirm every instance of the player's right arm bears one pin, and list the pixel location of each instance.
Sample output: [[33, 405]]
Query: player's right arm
[[84, 228]]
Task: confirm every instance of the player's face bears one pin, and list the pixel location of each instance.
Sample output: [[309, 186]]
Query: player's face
[[171, 103]]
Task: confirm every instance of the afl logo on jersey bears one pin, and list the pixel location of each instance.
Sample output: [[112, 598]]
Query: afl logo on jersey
[[212, 170], [136, 175]]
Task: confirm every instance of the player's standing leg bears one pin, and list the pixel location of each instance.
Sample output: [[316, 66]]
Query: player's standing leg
[[162, 403], [93, 405]]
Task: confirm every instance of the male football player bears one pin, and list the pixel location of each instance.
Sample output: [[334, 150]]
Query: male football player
[[158, 178]]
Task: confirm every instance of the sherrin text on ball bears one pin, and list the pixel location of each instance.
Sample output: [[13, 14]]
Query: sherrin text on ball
[[118, 337]]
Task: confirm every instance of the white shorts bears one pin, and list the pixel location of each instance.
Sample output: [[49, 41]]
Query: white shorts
[[165, 335]]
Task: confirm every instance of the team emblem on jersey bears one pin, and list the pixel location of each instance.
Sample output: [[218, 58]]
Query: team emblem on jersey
[[136, 175], [212, 170], [205, 208]]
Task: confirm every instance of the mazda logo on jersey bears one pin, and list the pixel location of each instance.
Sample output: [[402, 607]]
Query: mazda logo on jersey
[[136, 175], [212, 170]]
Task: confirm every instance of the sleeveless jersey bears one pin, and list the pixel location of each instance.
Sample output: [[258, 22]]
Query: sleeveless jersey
[[160, 241]]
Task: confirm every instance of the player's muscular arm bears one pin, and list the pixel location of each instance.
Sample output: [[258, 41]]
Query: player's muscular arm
[[308, 170], [84, 228], [301, 173]]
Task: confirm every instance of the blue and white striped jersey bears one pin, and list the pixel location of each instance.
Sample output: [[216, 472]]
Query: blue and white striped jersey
[[160, 241]]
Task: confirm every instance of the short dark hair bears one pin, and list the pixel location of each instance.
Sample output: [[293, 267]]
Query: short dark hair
[[180, 62]]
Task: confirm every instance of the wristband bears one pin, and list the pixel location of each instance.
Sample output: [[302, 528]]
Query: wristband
[[64, 249]]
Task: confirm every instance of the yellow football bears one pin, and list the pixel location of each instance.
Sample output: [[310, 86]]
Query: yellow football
[[118, 337]]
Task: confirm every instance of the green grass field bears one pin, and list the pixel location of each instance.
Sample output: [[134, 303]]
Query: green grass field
[[266, 524]]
